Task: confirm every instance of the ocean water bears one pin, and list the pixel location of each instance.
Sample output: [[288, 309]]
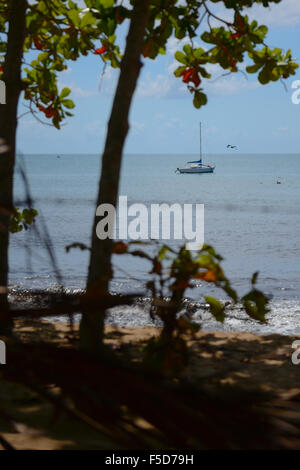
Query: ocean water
[[252, 221]]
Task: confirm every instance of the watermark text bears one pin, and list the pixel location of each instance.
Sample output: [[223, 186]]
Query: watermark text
[[296, 354], [2, 92], [2, 353], [296, 94], [157, 222]]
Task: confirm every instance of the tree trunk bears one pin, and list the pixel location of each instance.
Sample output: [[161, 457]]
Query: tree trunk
[[100, 270], [8, 127]]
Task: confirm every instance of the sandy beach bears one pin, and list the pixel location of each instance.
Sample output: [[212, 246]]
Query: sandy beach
[[231, 360]]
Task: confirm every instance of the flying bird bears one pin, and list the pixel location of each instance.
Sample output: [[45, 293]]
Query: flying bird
[[231, 146]]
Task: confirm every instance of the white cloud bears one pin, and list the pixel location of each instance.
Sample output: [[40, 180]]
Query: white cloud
[[108, 81], [81, 93], [137, 128], [230, 86], [168, 86], [66, 72], [158, 87], [175, 44], [174, 123], [28, 124], [96, 127], [285, 13], [160, 116], [283, 129], [284, 132], [76, 91], [105, 83]]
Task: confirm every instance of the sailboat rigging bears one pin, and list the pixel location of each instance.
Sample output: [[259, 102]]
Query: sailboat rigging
[[197, 166]]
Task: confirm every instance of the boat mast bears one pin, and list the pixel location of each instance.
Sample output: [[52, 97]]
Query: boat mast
[[200, 143]]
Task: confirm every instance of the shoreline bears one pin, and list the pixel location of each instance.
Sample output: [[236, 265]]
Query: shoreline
[[283, 319]]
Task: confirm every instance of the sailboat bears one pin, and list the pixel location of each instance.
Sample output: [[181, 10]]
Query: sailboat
[[197, 166]]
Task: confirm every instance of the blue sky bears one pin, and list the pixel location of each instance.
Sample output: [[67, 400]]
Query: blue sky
[[259, 119]]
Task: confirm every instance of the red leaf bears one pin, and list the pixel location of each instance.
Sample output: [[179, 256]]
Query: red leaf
[[231, 61], [208, 276], [240, 22], [101, 50], [195, 78], [120, 248], [187, 75], [49, 113], [37, 43], [191, 75], [119, 18]]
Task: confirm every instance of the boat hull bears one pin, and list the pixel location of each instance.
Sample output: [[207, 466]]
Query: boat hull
[[196, 170]]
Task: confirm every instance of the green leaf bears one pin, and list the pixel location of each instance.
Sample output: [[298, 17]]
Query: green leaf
[[21, 220], [74, 17], [68, 104], [261, 31], [230, 291], [181, 57], [88, 19], [200, 99], [198, 53], [179, 71], [64, 92], [216, 308], [163, 251], [107, 3], [254, 278], [188, 50], [253, 68], [264, 75], [256, 305]]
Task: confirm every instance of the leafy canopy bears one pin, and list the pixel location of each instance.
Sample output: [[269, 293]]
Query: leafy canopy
[[59, 31]]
